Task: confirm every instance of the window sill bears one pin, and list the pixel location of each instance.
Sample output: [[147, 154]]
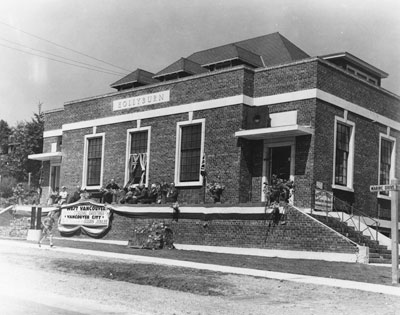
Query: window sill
[[188, 184], [384, 197], [344, 188], [91, 187]]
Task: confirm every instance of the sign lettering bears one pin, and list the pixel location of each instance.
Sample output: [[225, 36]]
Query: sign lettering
[[142, 100], [323, 200], [91, 215], [377, 188]]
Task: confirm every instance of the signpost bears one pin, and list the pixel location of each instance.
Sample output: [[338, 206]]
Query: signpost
[[394, 187]]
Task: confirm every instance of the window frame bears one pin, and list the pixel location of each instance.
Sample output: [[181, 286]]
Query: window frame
[[392, 162], [178, 151], [85, 160], [128, 151], [350, 160]]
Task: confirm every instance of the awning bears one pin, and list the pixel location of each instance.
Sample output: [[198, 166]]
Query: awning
[[50, 156], [275, 132]]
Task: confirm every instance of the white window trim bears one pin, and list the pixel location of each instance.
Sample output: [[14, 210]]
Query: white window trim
[[85, 152], [350, 166], [392, 162], [128, 150], [179, 126]]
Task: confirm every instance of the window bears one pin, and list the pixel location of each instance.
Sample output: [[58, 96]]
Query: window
[[344, 148], [93, 161], [190, 143], [362, 75], [386, 162], [137, 156]]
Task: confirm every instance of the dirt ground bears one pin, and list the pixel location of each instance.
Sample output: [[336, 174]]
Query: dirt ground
[[24, 273]]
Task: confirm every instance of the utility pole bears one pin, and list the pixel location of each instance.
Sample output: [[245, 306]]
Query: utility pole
[[395, 231], [394, 189]]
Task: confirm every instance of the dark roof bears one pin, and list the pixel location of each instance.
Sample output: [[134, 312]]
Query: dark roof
[[274, 49], [182, 65], [137, 76], [232, 52]]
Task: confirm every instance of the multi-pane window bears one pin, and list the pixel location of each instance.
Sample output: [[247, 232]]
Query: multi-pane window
[[385, 164], [190, 150], [94, 155], [138, 157], [343, 134]]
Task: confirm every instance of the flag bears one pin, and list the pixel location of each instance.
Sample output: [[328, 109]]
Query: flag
[[203, 166]]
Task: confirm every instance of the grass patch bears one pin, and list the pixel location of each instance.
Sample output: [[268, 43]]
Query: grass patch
[[338, 270]]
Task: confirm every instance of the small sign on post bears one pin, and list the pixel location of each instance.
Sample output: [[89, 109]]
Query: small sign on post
[[394, 187], [378, 188]]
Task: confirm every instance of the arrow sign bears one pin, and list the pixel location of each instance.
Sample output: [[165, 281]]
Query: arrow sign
[[376, 188]]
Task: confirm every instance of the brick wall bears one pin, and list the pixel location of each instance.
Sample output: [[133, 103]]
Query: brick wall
[[220, 84], [343, 85], [300, 232], [366, 157], [286, 78]]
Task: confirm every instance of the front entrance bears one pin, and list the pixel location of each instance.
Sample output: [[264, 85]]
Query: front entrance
[[54, 177], [279, 161]]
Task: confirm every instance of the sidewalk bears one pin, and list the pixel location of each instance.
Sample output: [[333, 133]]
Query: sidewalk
[[376, 288]]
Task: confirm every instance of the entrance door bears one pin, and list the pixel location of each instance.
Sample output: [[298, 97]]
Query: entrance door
[[280, 158], [54, 177]]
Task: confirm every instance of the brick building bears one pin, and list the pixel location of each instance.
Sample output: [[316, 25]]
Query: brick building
[[253, 108]]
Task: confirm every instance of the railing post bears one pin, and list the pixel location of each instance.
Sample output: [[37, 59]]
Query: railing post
[[33, 218], [38, 218]]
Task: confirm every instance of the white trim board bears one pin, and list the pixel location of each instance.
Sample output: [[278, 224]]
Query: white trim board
[[228, 101]]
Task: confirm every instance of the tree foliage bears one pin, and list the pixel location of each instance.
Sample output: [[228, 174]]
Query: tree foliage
[[27, 139], [5, 131]]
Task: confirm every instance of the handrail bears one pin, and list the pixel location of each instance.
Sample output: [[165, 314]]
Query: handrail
[[340, 207]]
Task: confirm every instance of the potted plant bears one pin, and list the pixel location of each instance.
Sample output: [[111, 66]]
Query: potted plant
[[215, 190]]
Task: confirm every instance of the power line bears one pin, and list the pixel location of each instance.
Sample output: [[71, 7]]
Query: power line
[[67, 63], [58, 56], [64, 47]]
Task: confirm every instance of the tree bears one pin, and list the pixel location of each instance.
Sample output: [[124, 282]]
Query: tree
[[27, 139], [5, 131]]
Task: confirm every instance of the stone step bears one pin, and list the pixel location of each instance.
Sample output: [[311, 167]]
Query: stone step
[[380, 256], [383, 251], [379, 261]]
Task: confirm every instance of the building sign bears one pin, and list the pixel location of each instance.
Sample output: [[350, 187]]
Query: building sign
[[142, 100], [85, 214], [323, 200]]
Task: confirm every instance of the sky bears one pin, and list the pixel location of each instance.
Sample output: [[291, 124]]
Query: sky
[[131, 34]]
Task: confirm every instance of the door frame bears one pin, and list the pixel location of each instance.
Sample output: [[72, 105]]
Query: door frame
[[273, 143], [54, 164]]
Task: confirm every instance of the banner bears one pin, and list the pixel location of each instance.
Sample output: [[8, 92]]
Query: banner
[[85, 214]]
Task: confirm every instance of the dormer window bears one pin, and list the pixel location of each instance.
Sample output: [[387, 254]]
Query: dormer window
[[361, 75], [357, 67]]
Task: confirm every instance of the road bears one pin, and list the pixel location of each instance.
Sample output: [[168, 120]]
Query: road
[[29, 287]]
